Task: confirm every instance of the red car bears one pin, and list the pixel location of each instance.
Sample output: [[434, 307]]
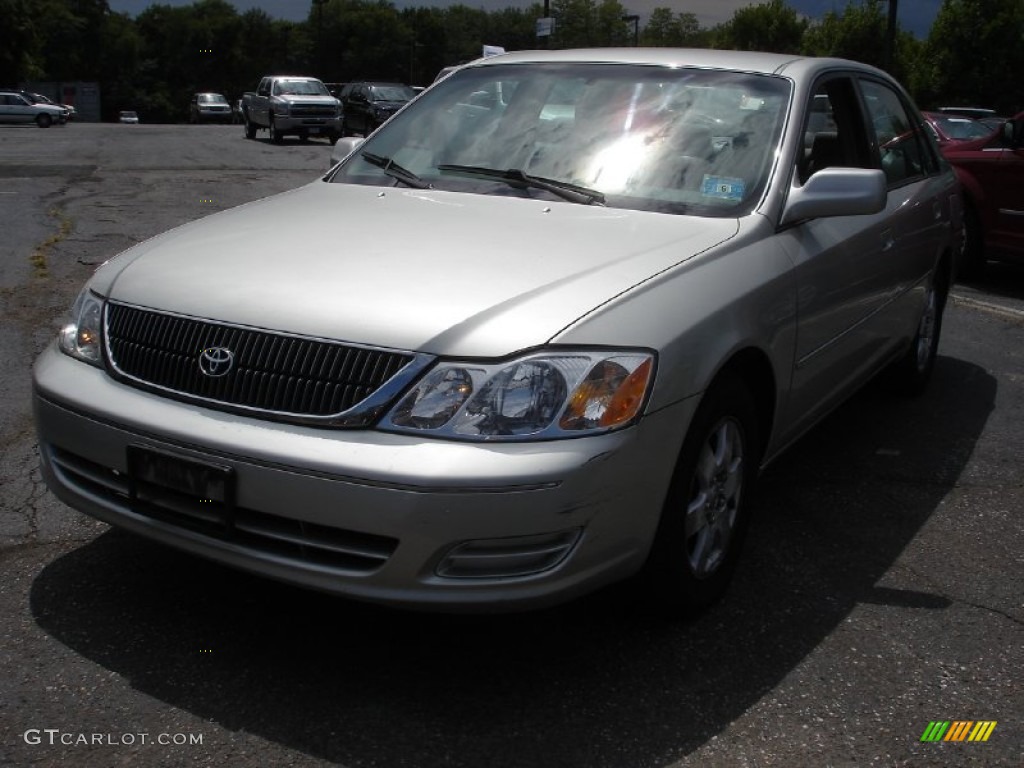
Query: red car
[[991, 173], [947, 128]]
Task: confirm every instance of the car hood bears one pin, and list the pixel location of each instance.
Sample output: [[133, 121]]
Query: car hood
[[437, 272]]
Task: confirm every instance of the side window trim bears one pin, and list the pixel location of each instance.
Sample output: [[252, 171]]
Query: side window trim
[[850, 138], [926, 149]]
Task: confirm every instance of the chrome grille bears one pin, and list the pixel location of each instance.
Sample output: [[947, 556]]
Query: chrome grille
[[313, 110], [273, 373]]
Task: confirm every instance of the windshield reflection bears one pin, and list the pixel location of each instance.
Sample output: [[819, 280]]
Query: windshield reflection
[[676, 140]]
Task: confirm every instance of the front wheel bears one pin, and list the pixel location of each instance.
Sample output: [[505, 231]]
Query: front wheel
[[706, 514], [911, 373], [972, 252], [44, 121], [250, 129], [275, 135]]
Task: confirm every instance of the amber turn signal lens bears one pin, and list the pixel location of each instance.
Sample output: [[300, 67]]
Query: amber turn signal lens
[[610, 395], [628, 397]]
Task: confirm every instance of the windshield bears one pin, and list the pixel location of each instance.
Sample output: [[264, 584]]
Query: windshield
[[212, 98], [391, 93], [963, 128], [300, 88], [655, 138]]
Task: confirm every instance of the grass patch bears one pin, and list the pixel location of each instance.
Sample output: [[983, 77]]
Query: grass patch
[[38, 258]]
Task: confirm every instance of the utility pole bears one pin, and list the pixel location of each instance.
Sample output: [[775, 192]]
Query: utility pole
[[890, 37], [320, 37], [635, 20]]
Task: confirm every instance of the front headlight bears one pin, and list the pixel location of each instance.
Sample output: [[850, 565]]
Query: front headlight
[[282, 108], [539, 396], [83, 336]]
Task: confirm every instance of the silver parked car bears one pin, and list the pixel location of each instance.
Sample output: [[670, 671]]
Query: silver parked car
[[15, 107], [580, 300]]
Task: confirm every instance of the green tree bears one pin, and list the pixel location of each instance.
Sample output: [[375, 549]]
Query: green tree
[[857, 33], [974, 55], [21, 55], [667, 30], [772, 26], [575, 23]]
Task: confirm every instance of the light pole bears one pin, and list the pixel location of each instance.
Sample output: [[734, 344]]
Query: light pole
[[890, 36], [320, 36], [635, 19]]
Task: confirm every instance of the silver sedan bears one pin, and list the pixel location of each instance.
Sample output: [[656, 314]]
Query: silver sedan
[[538, 333]]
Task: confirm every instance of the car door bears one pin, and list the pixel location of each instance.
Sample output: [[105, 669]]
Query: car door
[[843, 265], [261, 104], [358, 104], [1009, 183], [16, 109], [1003, 181], [918, 204]]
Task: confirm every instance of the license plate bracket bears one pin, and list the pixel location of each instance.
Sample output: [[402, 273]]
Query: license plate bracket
[[181, 485]]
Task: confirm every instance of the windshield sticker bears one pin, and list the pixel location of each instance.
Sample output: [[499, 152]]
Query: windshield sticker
[[724, 187]]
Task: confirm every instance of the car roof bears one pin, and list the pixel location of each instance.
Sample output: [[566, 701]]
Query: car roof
[[744, 61]]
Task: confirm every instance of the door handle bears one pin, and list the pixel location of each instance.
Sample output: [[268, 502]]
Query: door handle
[[888, 241]]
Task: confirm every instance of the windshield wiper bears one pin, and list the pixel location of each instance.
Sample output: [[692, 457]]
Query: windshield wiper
[[516, 178], [394, 170]]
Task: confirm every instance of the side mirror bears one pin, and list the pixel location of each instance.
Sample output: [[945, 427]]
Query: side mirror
[[1013, 133], [343, 148], [837, 192]]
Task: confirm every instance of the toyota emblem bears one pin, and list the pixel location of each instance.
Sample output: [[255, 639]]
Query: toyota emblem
[[216, 361]]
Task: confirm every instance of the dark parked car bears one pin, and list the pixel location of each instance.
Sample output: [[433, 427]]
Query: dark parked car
[[991, 173], [368, 105]]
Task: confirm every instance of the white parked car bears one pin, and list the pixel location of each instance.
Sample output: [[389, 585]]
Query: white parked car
[[128, 116], [16, 108], [539, 333]]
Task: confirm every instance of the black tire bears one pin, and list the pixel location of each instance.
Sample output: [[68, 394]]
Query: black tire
[[911, 373], [44, 120], [345, 129], [972, 252], [706, 512], [250, 129], [333, 138], [275, 135]]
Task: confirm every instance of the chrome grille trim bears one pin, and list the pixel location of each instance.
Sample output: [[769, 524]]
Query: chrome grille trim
[[284, 377], [313, 110]]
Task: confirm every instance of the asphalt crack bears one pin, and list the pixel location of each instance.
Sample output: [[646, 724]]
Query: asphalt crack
[[40, 265]]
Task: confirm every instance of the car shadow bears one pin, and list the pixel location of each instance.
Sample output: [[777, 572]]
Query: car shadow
[[599, 682], [1001, 279]]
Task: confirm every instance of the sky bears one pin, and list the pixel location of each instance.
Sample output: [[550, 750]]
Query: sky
[[915, 15]]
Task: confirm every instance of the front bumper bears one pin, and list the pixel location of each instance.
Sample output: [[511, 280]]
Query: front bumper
[[375, 516], [222, 115], [312, 125]]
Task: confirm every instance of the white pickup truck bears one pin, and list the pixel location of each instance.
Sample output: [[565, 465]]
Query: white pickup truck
[[300, 106]]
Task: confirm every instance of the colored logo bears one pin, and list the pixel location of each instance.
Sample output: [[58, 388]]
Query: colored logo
[[216, 361], [959, 730]]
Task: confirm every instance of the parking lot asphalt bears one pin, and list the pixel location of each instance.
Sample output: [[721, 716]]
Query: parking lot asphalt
[[882, 588]]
